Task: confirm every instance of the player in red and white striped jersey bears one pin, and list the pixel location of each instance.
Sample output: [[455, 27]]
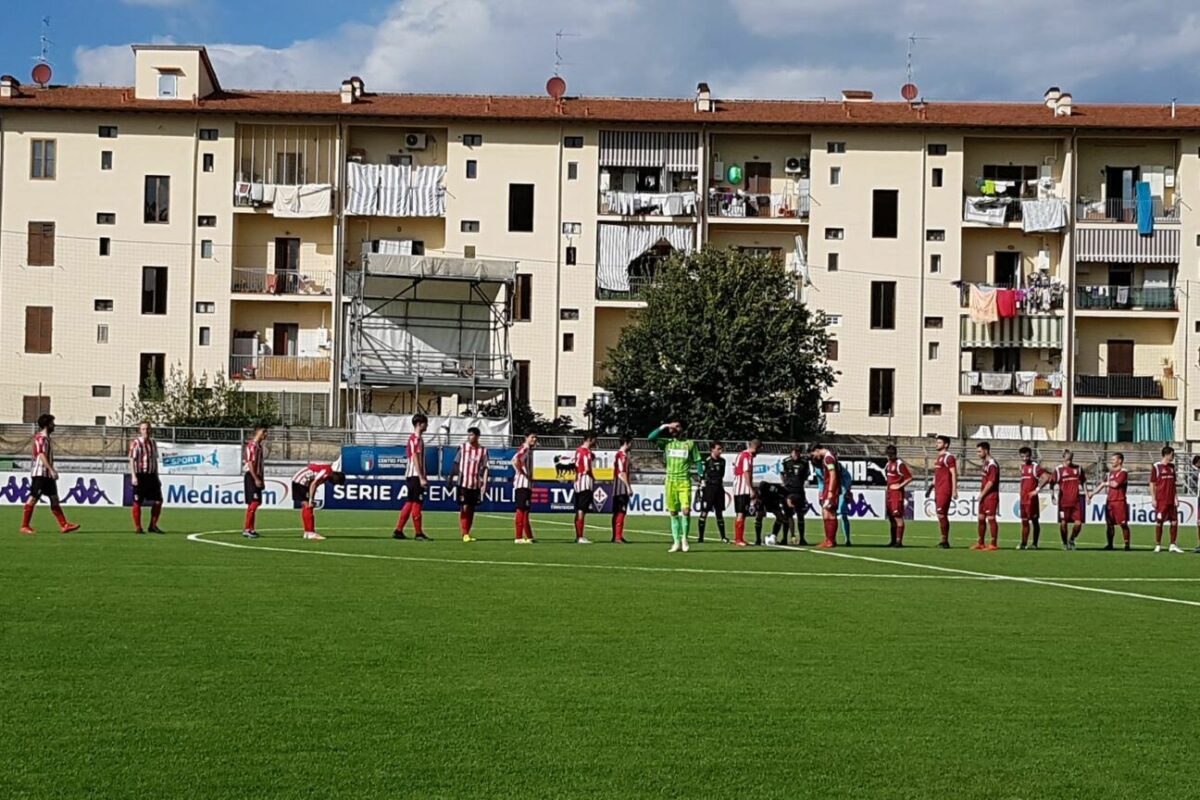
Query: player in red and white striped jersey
[[522, 463], [304, 492], [143, 476], [743, 490], [622, 489], [415, 480], [44, 478], [470, 471], [253, 481], [585, 484]]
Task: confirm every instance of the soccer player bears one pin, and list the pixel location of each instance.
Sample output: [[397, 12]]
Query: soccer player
[[1166, 502], [845, 482], [622, 489], [794, 471], [772, 498], [44, 478], [470, 471], [143, 475], [712, 492], [522, 463], [304, 493], [585, 485], [944, 488], [681, 455], [898, 476], [416, 481], [831, 491], [1116, 507], [989, 498], [1072, 486], [743, 490], [252, 481], [1033, 477], [1196, 465]]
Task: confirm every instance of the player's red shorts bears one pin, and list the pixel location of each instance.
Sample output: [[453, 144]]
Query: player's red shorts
[[1072, 512], [1031, 509], [941, 504], [895, 504], [1167, 513], [989, 505], [1117, 513]]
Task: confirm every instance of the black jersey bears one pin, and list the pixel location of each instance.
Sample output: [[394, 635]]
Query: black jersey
[[714, 471], [794, 472], [771, 499]]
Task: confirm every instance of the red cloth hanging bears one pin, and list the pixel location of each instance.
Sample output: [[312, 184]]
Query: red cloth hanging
[[1006, 303]]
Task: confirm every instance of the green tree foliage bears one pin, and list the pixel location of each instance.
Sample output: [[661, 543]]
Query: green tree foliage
[[724, 346], [186, 401], [526, 420]]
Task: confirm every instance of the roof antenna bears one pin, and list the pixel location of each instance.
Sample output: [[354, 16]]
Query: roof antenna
[[41, 67], [559, 62], [909, 90], [1173, 99]]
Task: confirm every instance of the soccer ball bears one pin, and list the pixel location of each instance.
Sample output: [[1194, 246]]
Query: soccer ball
[[770, 540]]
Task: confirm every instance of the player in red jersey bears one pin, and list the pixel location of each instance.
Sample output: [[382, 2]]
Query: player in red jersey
[[44, 478], [304, 492], [831, 491], [622, 489], [1166, 500], [416, 481], [743, 490], [1072, 489], [470, 471], [522, 463], [585, 485], [1033, 477], [143, 477], [989, 498], [898, 477], [944, 488], [1116, 507], [253, 480]]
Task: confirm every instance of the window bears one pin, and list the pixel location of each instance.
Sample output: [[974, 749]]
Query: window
[[566, 401], [568, 343], [206, 222], [572, 255], [205, 338], [935, 235], [883, 305], [881, 385], [573, 142], [885, 212], [105, 245], [209, 162], [831, 349], [40, 247], [42, 161], [931, 409], [572, 228], [400, 160], [935, 263], [469, 226], [934, 350], [572, 170], [33, 406], [830, 407], [101, 391], [154, 290], [933, 323], [522, 307], [168, 85], [106, 218], [472, 139], [520, 207], [108, 131], [209, 134], [520, 382], [835, 176], [937, 149], [835, 233], [832, 320], [205, 307], [102, 305], [568, 314], [158, 199], [151, 372], [468, 251], [831, 262], [206, 248], [106, 159], [835, 147], [935, 177], [39, 329], [101, 334], [101, 420], [472, 169]]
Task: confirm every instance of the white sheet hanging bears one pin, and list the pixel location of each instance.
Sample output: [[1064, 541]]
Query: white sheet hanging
[[389, 190], [307, 200], [621, 244]]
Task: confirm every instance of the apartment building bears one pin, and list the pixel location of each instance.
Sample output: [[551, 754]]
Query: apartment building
[[1016, 270]]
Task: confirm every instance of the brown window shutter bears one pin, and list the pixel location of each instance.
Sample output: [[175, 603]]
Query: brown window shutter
[[41, 244], [39, 329], [33, 406], [48, 244], [47, 330]]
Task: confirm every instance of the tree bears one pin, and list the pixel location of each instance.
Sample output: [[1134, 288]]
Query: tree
[[724, 346], [526, 420], [186, 401]]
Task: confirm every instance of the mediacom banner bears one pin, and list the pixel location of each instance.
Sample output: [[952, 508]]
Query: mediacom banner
[[80, 489], [213, 491], [966, 507]]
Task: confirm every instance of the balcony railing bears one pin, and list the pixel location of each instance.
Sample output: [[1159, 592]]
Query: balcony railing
[[661, 204], [753, 204], [1120, 211], [378, 365], [638, 284], [280, 368], [1010, 384], [1036, 303], [1127, 387], [1159, 298], [299, 282]]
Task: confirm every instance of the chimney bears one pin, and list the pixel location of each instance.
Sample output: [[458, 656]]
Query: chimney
[[1063, 108], [347, 91], [9, 86], [857, 96], [357, 83], [704, 101], [1051, 97]]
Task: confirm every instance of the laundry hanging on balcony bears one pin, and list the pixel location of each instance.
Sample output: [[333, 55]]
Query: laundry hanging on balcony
[[1043, 215], [622, 244], [983, 305], [988, 210], [304, 201], [389, 190]]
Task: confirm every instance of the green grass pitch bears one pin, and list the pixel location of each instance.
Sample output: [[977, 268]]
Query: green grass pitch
[[160, 667]]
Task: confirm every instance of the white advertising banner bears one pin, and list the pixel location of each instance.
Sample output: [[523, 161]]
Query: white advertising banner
[[195, 459], [78, 489], [221, 491]]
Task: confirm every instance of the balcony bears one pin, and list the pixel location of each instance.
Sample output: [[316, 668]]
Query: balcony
[[1009, 384], [280, 368], [306, 283], [1030, 302], [1120, 211], [739, 204], [395, 190], [656, 204], [638, 284], [1122, 298], [1128, 387]]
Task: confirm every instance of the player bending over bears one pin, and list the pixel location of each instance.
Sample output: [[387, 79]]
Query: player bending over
[[470, 471], [770, 499], [416, 481], [143, 477], [1116, 508], [1166, 501], [253, 481], [989, 498], [44, 479], [622, 489], [305, 484], [1033, 477], [1072, 487], [585, 485], [898, 476], [794, 471], [944, 488], [712, 492], [681, 455]]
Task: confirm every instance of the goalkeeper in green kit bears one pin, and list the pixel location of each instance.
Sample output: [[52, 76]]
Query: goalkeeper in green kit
[[680, 454]]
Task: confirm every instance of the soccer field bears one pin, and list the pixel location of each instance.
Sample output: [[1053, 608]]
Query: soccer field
[[361, 667]]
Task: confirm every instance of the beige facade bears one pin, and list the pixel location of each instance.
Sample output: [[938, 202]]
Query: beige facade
[[863, 202]]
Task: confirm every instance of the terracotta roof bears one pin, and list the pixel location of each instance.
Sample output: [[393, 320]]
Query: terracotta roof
[[618, 109]]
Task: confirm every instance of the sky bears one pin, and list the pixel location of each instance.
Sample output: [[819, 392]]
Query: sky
[[1135, 51]]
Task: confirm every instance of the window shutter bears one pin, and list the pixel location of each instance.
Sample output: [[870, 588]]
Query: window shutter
[[39, 329], [46, 332], [41, 244], [33, 406]]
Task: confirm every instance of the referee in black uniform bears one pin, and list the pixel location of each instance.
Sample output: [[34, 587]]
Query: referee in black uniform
[[712, 493], [794, 474]]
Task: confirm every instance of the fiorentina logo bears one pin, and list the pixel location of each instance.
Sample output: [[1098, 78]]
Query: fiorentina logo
[[599, 496]]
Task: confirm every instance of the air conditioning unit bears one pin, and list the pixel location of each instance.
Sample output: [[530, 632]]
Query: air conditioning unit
[[415, 141], [795, 165]]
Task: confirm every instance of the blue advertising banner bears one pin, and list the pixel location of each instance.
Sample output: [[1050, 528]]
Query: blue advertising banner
[[391, 493], [439, 460]]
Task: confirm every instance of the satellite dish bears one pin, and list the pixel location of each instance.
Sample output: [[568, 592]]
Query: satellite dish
[[556, 87], [41, 74], [909, 91]]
